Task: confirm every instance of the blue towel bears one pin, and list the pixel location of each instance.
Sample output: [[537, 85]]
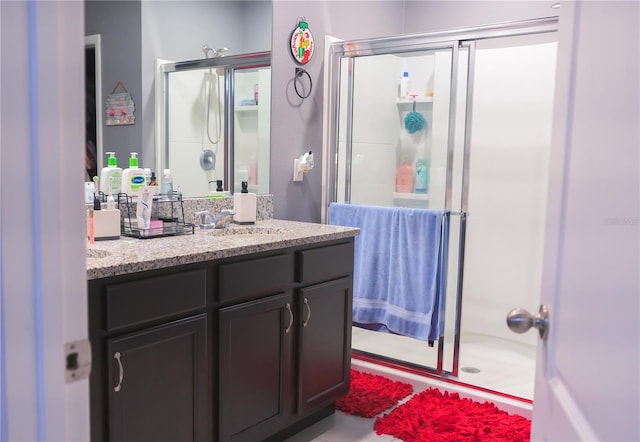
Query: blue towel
[[396, 281]]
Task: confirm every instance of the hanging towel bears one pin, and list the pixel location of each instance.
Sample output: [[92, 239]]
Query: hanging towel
[[397, 262]]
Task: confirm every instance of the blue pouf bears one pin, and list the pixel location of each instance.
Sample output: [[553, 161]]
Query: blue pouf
[[414, 121]]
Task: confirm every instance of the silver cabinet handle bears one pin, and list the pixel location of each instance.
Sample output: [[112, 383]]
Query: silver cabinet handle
[[306, 304], [288, 307], [118, 387]]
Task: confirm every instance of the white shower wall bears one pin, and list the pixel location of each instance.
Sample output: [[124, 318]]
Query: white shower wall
[[187, 130], [508, 177]]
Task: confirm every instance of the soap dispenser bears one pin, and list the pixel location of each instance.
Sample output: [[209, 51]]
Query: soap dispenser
[[111, 171], [133, 178], [244, 205]]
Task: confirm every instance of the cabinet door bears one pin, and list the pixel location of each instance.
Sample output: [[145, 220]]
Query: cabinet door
[[158, 384], [255, 368], [325, 343]]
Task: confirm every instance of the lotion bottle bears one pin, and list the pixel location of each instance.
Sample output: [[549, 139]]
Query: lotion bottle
[[133, 178], [244, 206], [111, 171], [404, 177]]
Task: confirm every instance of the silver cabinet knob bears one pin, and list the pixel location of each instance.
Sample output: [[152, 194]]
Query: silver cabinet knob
[[519, 321]]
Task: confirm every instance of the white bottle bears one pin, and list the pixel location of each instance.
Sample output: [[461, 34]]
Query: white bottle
[[244, 206], [112, 170], [404, 85], [167, 183], [133, 178]]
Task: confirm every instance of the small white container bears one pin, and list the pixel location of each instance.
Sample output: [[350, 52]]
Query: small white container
[[166, 186], [244, 206], [405, 85]]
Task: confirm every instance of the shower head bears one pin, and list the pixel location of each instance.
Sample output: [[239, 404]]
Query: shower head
[[216, 52]]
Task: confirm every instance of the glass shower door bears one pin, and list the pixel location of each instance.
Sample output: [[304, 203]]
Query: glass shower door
[[394, 149], [484, 138]]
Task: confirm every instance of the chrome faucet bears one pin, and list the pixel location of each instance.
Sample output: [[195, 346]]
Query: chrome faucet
[[219, 221], [222, 220]]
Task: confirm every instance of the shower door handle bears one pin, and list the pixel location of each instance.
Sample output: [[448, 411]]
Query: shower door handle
[[519, 321]]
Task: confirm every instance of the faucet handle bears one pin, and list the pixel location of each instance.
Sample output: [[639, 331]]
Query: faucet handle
[[227, 212], [205, 217]]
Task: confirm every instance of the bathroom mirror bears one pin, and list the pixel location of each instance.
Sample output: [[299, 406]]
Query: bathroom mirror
[[137, 34], [215, 120]]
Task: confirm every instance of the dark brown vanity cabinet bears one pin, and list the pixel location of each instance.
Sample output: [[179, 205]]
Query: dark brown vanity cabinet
[[249, 348], [150, 377], [255, 340], [324, 351], [157, 377], [324, 299]]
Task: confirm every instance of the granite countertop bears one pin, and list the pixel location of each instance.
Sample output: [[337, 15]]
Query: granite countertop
[[131, 255]]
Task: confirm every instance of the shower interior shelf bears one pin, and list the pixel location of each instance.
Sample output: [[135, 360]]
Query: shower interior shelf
[[409, 100], [411, 196], [246, 108]]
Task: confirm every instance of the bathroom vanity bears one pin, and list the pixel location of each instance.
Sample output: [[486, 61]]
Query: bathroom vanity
[[235, 335]]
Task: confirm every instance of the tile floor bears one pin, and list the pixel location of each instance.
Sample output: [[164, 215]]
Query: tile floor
[[340, 427], [503, 366]]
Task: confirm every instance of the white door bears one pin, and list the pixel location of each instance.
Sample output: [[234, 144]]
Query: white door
[[43, 299], [587, 374]]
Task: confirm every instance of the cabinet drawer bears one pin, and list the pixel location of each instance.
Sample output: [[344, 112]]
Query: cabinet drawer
[[325, 263], [151, 299], [254, 277]]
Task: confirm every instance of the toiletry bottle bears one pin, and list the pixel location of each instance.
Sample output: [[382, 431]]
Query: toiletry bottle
[[153, 183], [422, 176], [404, 85], [133, 178], [112, 170], [404, 177], [167, 183], [244, 205], [147, 176]]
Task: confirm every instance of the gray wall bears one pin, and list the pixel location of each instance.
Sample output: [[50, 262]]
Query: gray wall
[[297, 124], [427, 16], [120, 47]]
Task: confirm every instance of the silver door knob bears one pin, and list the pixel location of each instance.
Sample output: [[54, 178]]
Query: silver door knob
[[519, 321]]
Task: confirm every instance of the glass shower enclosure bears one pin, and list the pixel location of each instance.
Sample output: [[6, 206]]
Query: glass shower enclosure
[[469, 135]]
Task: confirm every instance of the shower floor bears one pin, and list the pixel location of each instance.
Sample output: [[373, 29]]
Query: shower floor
[[497, 364]]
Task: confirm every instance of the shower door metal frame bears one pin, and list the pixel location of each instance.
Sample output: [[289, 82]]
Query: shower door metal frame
[[453, 39], [230, 64]]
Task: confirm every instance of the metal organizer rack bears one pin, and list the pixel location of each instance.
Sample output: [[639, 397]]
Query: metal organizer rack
[[167, 208]]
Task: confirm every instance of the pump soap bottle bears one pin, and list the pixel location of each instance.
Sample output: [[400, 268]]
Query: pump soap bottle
[[111, 176], [244, 205], [133, 178]]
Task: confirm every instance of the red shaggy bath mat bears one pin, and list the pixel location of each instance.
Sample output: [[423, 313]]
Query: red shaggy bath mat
[[371, 394], [435, 417]]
